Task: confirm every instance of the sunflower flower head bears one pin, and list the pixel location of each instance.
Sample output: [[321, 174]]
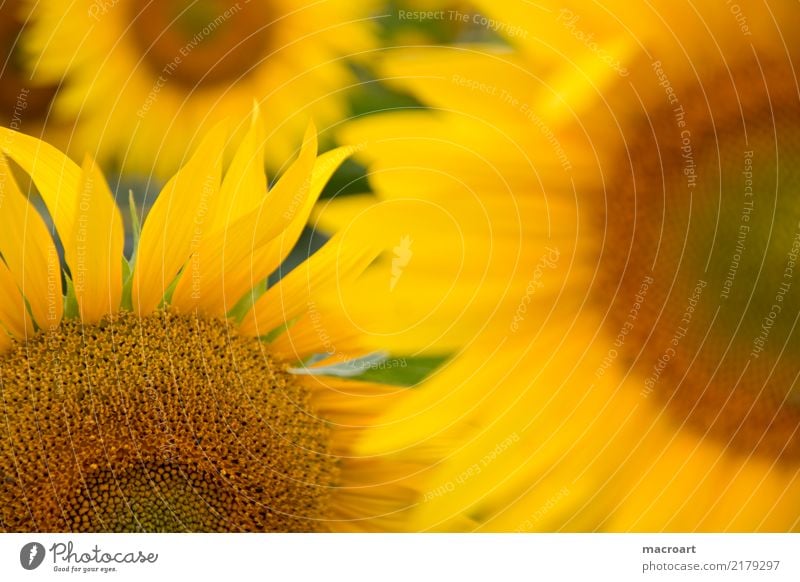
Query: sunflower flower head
[[23, 106], [173, 390], [626, 180], [131, 74]]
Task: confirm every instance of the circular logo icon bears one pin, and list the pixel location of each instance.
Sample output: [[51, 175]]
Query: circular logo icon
[[31, 555]]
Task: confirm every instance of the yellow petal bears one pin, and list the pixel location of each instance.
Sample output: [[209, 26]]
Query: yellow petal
[[240, 278], [55, 175], [319, 332], [468, 80], [245, 182], [176, 222], [574, 92], [291, 191], [13, 314], [456, 390], [29, 252], [549, 30], [95, 257], [203, 285], [324, 167], [338, 261], [335, 214]]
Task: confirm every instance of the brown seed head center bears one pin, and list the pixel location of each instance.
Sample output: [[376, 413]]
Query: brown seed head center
[[701, 265], [201, 43], [164, 423]]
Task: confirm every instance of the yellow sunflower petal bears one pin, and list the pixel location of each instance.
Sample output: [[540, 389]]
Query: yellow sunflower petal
[[465, 80], [240, 278], [55, 175], [245, 253], [333, 489], [13, 313], [95, 255], [175, 222], [533, 444], [346, 402], [339, 259], [289, 194], [319, 332], [29, 252], [245, 182], [217, 255], [127, 67], [278, 249]]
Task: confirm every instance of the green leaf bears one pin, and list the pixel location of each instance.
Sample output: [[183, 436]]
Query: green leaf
[[247, 301], [136, 222], [403, 371], [71, 310], [127, 285], [167, 298], [128, 265]]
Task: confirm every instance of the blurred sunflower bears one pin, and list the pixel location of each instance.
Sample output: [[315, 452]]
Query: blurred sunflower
[[614, 198], [22, 106], [174, 391], [132, 73]]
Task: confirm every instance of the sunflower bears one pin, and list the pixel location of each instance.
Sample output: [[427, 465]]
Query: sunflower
[[22, 106], [132, 73], [173, 390], [614, 191]]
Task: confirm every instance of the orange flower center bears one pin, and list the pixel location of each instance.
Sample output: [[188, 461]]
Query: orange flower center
[[701, 264], [202, 43], [20, 103], [165, 423]]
